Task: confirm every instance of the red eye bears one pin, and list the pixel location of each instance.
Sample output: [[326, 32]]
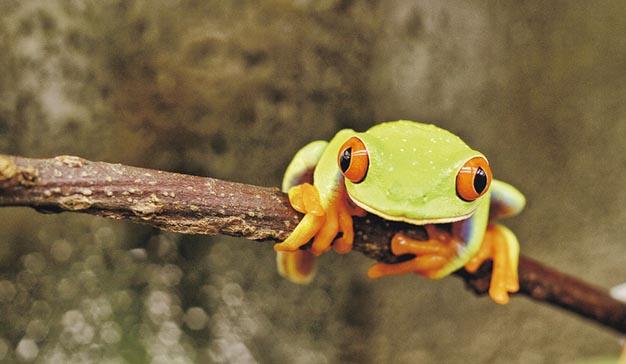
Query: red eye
[[353, 160], [473, 179]]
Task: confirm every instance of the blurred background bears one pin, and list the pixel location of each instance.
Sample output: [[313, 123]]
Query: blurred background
[[232, 89]]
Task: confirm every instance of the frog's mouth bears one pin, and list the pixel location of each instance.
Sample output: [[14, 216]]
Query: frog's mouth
[[443, 220]]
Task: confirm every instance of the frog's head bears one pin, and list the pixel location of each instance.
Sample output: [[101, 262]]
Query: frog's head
[[414, 172]]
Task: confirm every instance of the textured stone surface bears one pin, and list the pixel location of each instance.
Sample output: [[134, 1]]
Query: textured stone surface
[[231, 91]]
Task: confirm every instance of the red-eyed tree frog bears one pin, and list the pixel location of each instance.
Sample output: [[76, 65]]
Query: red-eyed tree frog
[[403, 171]]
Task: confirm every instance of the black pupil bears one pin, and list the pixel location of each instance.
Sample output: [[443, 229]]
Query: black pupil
[[480, 181], [345, 159]]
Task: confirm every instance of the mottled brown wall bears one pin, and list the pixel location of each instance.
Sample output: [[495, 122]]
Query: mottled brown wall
[[232, 90]]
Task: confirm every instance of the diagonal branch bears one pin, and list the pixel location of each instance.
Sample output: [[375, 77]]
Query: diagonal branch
[[199, 205]]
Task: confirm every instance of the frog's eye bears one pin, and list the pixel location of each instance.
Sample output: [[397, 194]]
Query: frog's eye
[[353, 160], [473, 179]]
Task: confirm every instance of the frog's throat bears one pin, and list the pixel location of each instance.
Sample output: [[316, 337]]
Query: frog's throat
[[442, 220]]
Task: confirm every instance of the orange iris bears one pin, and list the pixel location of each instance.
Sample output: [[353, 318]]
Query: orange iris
[[473, 179], [353, 160]]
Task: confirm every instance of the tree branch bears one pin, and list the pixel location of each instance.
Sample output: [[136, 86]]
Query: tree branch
[[200, 205]]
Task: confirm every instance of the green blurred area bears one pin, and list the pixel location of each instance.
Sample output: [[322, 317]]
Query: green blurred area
[[232, 89]]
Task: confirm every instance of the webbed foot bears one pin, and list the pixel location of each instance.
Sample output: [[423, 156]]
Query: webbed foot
[[430, 255], [319, 223], [500, 245]]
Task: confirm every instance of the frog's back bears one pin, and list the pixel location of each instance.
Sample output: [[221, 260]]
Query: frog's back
[[406, 129]]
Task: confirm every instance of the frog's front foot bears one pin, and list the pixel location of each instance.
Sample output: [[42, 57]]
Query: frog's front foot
[[323, 224], [430, 255], [500, 245]]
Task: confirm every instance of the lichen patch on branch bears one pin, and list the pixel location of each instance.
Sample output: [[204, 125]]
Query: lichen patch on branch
[[75, 202], [147, 208], [8, 169], [71, 161]]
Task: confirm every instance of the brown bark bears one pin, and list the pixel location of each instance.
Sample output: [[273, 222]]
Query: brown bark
[[201, 205]]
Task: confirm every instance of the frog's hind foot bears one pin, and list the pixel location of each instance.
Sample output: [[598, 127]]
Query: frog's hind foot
[[500, 245], [297, 266], [430, 255]]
